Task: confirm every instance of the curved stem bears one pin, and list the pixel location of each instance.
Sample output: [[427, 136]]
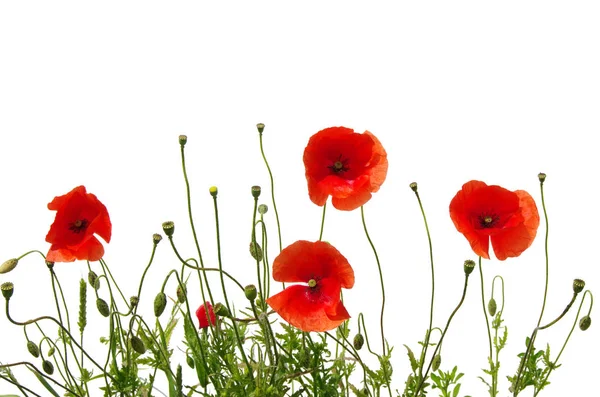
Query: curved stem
[[272, 190], [546, 254], [487, 324]]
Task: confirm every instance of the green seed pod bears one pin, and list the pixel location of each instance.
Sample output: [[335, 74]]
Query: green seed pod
[[414, 186], [542, 177], [262, 209], [168, 228], [256, 191], [492, 307], [256, 251], [134, 300], [102, 307], [48, 367], [585, 323], [469, 266], [160, 302], [435, 364], [33, 349], [358, 341], [578, 285], [137, 344], [182, 140], [156, 238], [9, 265], [260, 127], [189, 360], [250, 292], [7, 289], [181, 293]]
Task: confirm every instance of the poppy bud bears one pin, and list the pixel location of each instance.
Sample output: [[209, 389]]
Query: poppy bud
[[262, 209], [33, 349], [578, 285], [160, 302], [469, 266], [492, 306], [542, 177], [213, 190], [51, 352], [102, 307], [182, 140], [7, 289], [137, 344], [181, 293], [168, 228], [156, 238], [9, 265], [260, 127], [134, 300], [435, 364], [358, 341], [189, 360], [48, 367], [256, 251], [413, 186], [221, 310], [255, 191], [93, 280], [250, 292], [585, 323]]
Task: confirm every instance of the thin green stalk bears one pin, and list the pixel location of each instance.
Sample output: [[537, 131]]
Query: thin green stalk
[[323, 221], [487, 324], [256, 250], [546, 253], [262, 152]]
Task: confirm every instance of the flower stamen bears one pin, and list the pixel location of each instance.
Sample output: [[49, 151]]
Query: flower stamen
[[339, 165], [78, 226], [312, 283]]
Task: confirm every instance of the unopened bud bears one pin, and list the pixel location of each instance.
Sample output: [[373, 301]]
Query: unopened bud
[[578, 285], [358, 342], [156, 238], [469, 266], [255, 191], [435, 364], [51, 352], [256, 251], [9, 265], [413, 186], [168, 228], [542, 177], [189, 360], [48, 367], [262, 209], [585, 323], [182, 139], [160, 302], [181, 293], [492, 306], [250, 292], [33, 349], [138, 345], [93, 280], [221, 310], [102, 307], [260, 127], [7, 289]]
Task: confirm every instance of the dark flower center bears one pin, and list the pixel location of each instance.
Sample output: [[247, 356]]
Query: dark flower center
[[339, 165], [488, 221], [78, 226]]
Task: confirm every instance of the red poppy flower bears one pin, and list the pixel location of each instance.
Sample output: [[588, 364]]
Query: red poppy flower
[[483, 213], [344, 165], [317, 305], [79, 215], [201, 314]]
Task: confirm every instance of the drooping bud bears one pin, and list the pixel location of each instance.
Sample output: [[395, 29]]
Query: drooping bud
[[213, 190], [9, 265], [256, 191], [221, 310], [7, 289], [578, 285], [138, 345], [358, 341], [33, 349], [585, 323], [102, 307], [182, 140], [542, 177], [256, 251], [260, 127], [51, 352], [160, 302], [492, 306], [181, 293], [156, 238], [435, 364], [250, 292], [189, 360], [133, 301], [262, 209], [48, 367], [413, 186], [469, 266], [168, 228], [93, 280]]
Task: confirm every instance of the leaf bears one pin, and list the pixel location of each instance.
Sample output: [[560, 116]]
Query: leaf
[[456, 390], [45, 383], [191, 337], [413, 361]]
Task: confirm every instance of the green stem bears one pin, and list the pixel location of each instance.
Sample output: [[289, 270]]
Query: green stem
[[323, 221], [487, 324], [262, 152], [546, 254]]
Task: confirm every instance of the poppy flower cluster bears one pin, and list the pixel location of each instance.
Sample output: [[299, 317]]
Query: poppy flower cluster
[[316, 304], [203, 319], [345, 165], [492, 213], [79, 216]]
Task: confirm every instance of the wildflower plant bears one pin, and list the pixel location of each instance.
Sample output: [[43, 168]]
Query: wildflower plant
[[291, 334]]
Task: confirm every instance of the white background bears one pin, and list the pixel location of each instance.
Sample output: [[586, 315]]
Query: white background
[[97, 94]]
